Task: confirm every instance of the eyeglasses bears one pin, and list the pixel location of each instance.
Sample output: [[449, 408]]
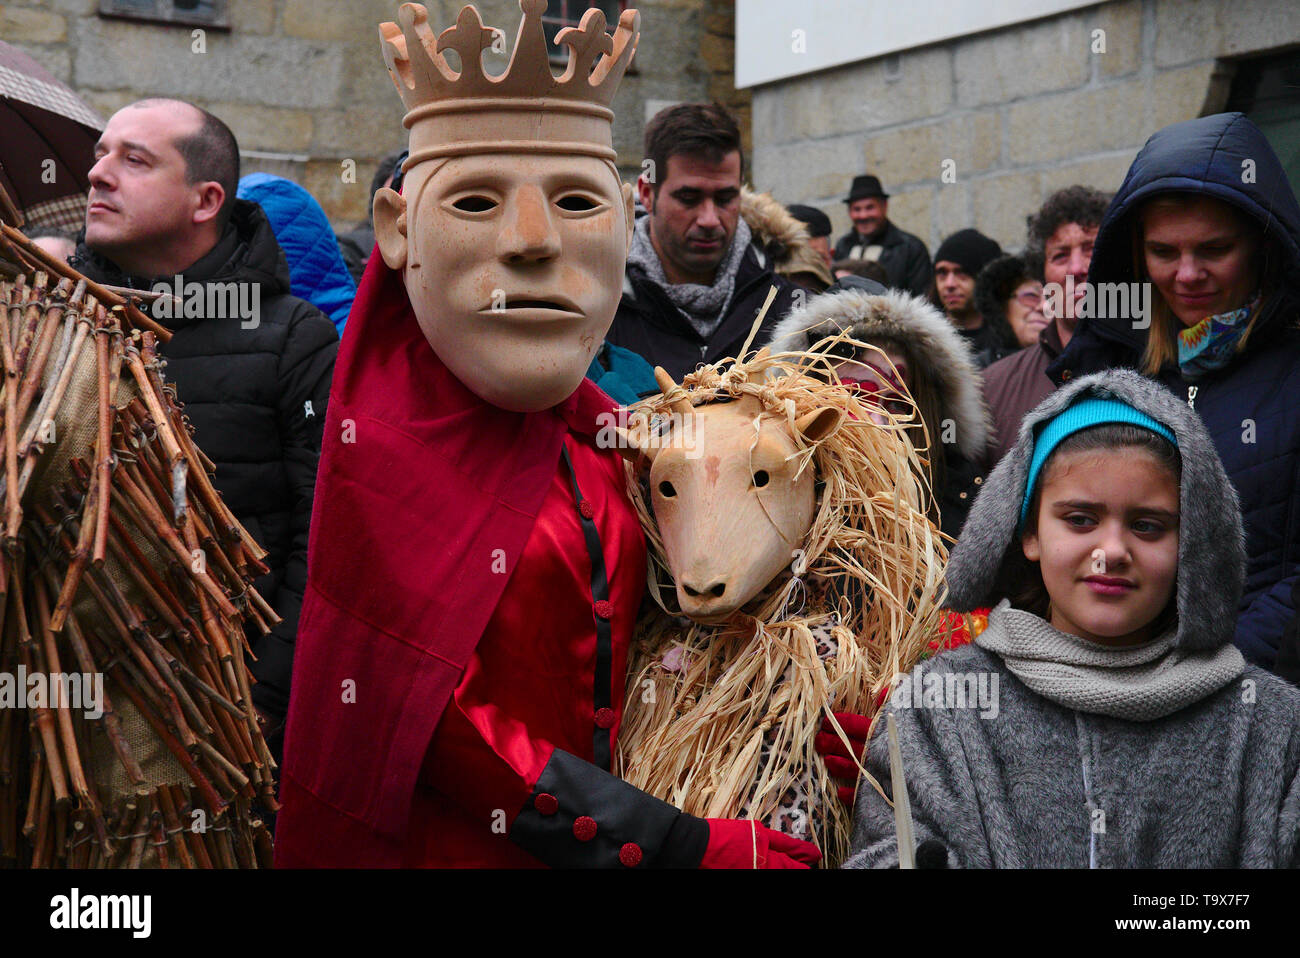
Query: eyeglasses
[[1030, 297]]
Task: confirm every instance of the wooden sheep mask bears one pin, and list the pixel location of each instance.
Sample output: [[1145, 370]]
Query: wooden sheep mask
[[733, 497]]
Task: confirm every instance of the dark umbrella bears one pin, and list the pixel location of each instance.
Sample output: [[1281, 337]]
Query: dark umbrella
[[47, 143]]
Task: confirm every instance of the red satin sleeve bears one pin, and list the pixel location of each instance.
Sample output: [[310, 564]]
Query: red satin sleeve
[[530, 686]]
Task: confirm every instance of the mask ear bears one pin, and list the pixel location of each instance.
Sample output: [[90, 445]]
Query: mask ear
[[635, 447], [390, 227], [818, 424], [629, 209]]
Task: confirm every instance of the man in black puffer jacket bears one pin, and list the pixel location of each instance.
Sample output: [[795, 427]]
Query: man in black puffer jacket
[[695, 282], [252, 364]]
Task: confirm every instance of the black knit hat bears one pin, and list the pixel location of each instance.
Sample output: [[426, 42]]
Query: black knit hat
[[818, 223], [969, 249], [865, 187]]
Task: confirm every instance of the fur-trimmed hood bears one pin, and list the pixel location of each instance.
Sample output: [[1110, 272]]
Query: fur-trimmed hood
[[1211, 544], [948, 360], [783, 238]]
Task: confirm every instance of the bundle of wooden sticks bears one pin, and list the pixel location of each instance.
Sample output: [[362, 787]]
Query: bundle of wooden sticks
[[125, 589]]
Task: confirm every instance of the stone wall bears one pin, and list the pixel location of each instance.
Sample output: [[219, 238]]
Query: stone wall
[[302, 82], [1016, 112]]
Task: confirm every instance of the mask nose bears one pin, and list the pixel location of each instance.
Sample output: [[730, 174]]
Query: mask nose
[[528, 234], [714, 590]]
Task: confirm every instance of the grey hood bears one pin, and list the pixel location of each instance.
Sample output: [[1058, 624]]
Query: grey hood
[[1211, 545], [898, 315]]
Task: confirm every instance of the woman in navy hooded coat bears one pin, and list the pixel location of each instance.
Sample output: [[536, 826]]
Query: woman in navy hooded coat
[[1197, 195]]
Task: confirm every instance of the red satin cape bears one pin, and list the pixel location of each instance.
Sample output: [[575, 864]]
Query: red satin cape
[[422, 489]]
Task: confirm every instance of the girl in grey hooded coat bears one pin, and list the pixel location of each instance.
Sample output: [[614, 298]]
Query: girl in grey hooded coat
[[1172, 753]]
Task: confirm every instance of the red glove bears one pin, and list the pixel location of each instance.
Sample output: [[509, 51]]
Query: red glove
[[839, 761], [739, 844]]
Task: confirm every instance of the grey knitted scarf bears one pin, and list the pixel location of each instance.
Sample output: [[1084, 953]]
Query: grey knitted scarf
[[704, 306], [1140, 683]]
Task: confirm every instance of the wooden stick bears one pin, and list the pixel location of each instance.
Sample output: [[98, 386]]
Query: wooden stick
[[32, 661], [41, 839], [127, 482], [151, 390], [13, 504], [141, 574], [50, 402], [72, 760], [103, 443], [37, 780], [102, 293], [196, 776], [80, 556], [262, 839], [174, 827], [221, 838], [139, 833], [34, 308], [210, 691], [147, 578], [156, 833], [195, 840], [112, 723], [29, 449], [33, 375]]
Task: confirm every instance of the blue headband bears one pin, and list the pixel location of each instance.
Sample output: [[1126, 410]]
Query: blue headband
[[1084, 414]]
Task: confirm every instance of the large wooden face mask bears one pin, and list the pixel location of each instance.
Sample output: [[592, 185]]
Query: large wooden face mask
[[514, 267]]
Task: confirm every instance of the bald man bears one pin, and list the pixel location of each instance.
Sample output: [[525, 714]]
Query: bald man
[[252, 364]]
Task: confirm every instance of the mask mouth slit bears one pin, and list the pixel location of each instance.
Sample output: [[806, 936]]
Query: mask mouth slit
[[536, 304]]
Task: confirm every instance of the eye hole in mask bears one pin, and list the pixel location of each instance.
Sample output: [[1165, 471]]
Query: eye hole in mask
[[576, 203], [474, 204]]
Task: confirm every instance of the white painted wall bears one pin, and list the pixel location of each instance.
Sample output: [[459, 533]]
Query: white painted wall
[[770, 46]]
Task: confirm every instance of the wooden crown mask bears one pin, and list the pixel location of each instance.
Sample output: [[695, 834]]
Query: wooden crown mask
[[525, 109]]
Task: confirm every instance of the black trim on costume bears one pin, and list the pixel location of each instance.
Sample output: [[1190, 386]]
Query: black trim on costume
[[602, 738], [623, 814]]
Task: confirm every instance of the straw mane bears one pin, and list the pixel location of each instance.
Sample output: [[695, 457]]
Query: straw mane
[[725, 727]]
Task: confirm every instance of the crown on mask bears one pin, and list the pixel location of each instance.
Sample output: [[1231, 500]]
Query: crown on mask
[[526, 109]]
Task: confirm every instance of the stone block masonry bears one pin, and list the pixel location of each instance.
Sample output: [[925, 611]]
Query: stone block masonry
[[1020, 111], [302, 82]]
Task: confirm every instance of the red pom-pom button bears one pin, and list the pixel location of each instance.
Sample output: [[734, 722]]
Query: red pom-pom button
[[605, 608], [604, 718], [584, 829], [630, 854], [546, 803], [587, 509]]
